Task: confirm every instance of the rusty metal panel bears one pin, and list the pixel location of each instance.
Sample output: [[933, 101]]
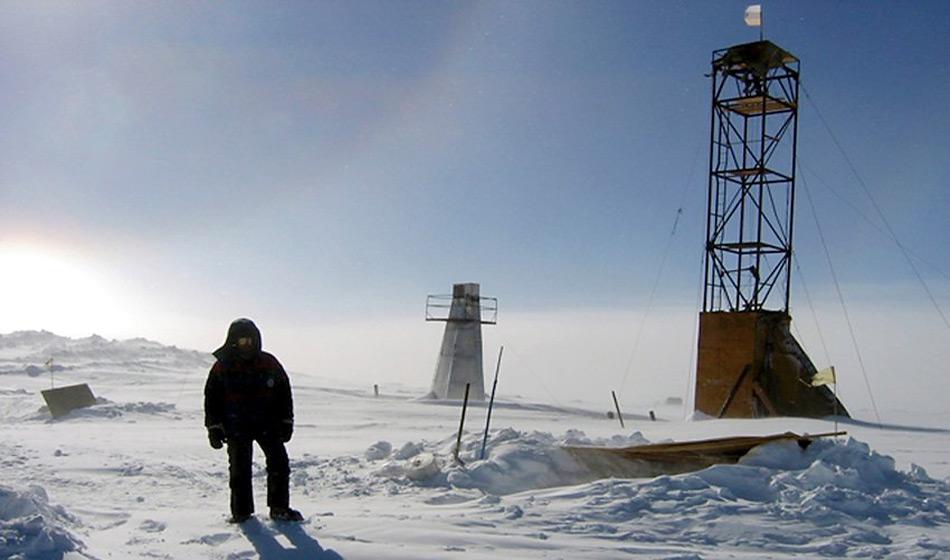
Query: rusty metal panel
[[749, 365], [727, 346], [63, 400]]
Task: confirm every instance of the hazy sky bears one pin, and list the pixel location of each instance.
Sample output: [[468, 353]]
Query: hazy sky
[[323, 166]]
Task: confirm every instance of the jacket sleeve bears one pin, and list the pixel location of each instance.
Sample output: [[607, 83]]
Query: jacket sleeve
[[214, 399], [285, 396]]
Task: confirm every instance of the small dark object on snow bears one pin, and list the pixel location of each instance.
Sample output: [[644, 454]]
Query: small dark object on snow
[[285, 514]]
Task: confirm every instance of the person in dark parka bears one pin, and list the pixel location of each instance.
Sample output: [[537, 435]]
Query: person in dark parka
[[248, 399]]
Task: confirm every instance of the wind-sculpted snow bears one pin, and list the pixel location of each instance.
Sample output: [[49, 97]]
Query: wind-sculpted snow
[[31, 528], [835, 498], [515, 461], [106, 409]]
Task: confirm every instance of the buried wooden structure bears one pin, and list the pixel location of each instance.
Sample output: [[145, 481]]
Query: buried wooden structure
[[644, 461]]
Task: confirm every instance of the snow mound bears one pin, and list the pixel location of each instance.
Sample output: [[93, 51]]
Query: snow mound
[[409, 450], [515, 461], [30, 528], [843, 485], [833, 499], [379, 450], [833, 482]]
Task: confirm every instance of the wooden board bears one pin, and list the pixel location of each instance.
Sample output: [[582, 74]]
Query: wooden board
[[63, 400], [674, 458]]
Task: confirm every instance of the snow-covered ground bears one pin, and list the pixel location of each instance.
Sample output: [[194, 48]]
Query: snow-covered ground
[[134, 477]]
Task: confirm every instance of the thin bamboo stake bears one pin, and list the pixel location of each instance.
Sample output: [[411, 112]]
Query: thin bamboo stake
[[491, 403], [617, 406], [458, 442]]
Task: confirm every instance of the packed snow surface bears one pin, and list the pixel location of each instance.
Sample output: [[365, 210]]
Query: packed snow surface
[[376, 478]]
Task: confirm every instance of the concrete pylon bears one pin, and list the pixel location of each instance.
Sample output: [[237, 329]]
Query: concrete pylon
[[460, 357]]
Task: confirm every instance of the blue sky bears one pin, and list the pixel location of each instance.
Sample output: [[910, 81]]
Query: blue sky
[[323, 166]]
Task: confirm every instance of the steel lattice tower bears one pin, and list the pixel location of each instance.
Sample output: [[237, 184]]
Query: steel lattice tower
[[748, 363], [751, 178]]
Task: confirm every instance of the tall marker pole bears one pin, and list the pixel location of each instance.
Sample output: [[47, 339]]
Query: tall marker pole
[[617, 406], [49, 366], [491, 402], [458, 442]]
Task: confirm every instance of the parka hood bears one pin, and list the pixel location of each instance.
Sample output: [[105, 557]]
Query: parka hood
[[239, 328]]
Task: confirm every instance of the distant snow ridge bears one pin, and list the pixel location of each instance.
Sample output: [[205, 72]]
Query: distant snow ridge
[[28, 351], [30, 528], [27, 338]]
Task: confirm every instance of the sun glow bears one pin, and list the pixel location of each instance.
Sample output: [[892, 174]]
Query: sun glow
[[56, 292]]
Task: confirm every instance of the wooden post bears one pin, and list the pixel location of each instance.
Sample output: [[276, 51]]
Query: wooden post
[[763, 397], [617, 406], [735, 389], [491, 403], [458, 442]]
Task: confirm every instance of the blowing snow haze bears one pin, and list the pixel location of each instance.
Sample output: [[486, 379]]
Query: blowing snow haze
[[322, 167]]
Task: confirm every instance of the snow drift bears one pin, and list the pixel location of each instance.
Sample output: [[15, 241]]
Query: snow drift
[[31, 528], [833, 498]]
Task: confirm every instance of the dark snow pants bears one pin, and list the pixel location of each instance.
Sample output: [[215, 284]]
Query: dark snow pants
[[278, 474]]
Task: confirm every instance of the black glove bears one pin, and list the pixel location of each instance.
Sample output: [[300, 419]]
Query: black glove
[[216, 437], [286, 430]]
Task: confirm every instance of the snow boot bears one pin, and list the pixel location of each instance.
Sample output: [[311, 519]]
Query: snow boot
[[239, 518], [285, 514]]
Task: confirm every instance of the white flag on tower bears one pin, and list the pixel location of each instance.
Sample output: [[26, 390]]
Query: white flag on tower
[[753, 15]]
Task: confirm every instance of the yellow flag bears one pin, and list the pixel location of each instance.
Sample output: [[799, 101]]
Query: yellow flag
[[824, 377]]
